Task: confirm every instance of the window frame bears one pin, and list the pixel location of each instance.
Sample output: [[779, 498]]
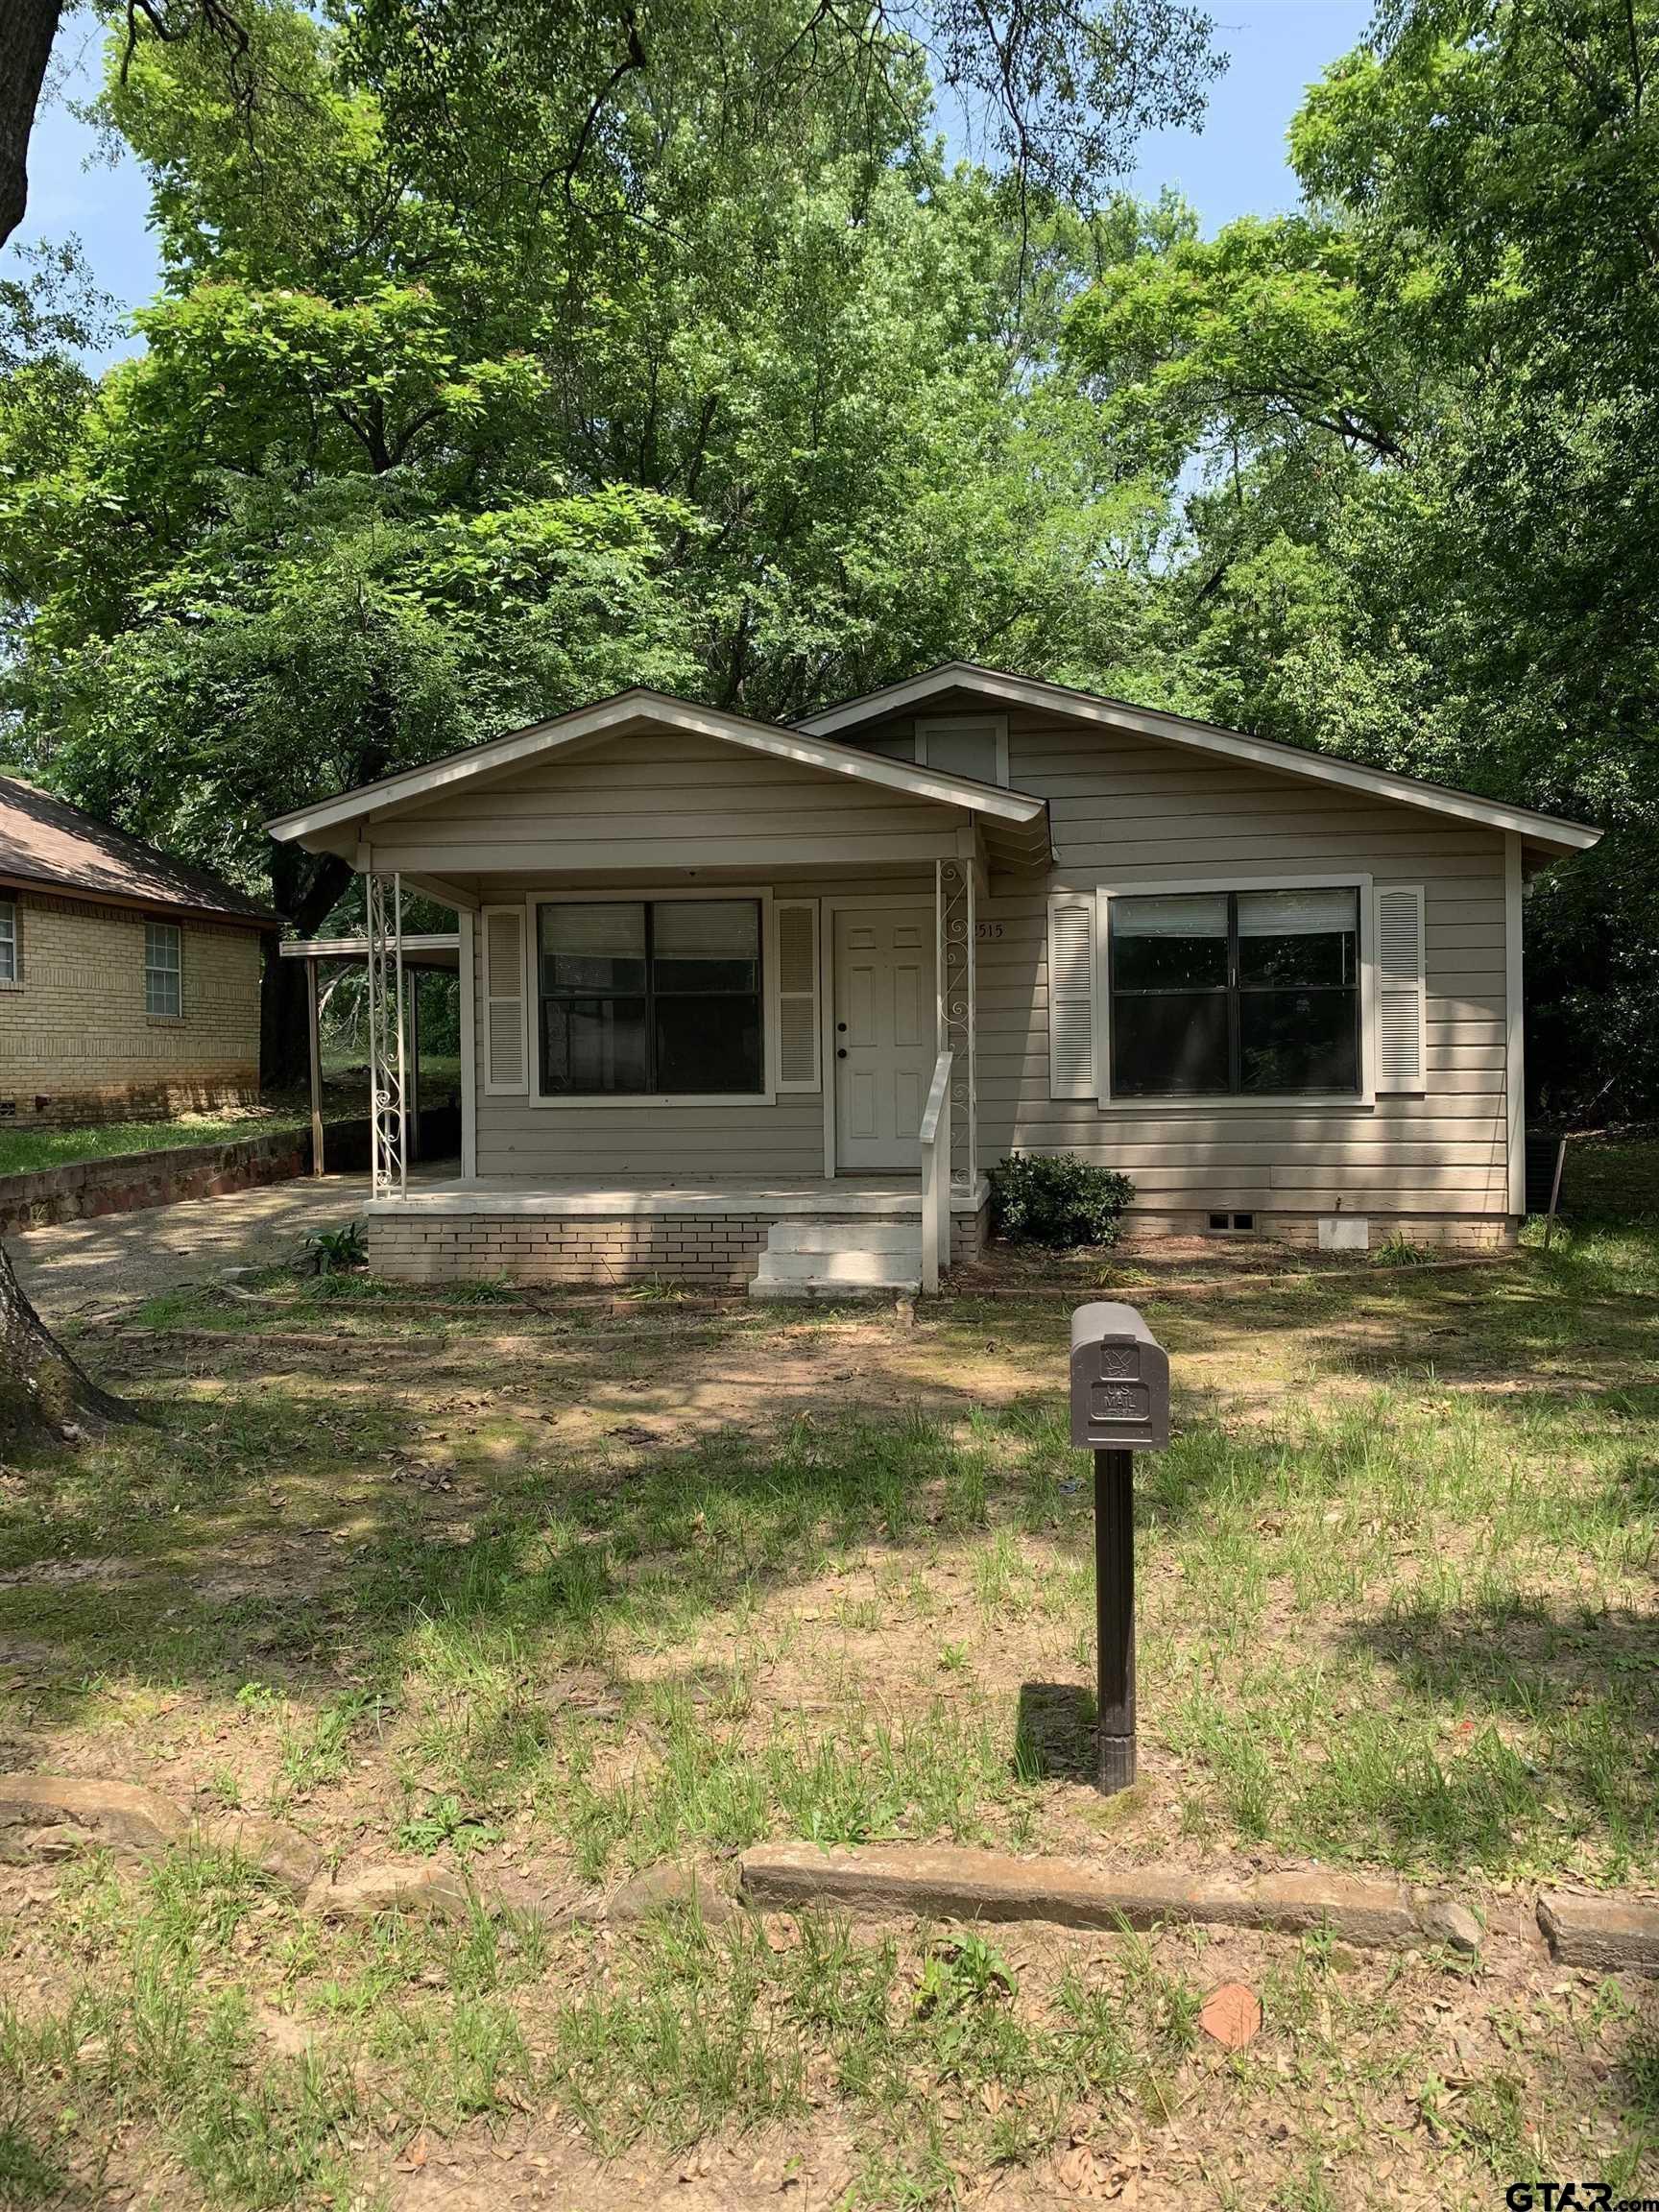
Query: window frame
[[606, 895], [1364, 1099], [11, 911], [153, 922]]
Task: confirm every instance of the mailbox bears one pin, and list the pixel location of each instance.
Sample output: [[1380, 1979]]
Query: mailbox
[[1120, 1406], [1119, 1381]]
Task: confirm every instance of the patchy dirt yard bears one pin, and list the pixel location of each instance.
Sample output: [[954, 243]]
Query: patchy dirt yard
[[558, 1594]]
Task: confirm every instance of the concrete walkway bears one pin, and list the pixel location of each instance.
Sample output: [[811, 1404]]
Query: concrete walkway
[[87, 1266]]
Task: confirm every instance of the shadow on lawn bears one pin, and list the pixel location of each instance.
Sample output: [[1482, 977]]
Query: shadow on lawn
[[304, 1520], [290, 1525], [1524, 1659], [1546, 1716], [1054, 1733], [294, 1526]]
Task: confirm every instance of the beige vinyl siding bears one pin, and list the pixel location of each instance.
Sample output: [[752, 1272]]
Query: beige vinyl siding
[[529, 1142], [1128, 811], [661, 801], [641, 810]]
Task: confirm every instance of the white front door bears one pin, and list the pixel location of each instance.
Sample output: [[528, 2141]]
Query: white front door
[[885, 1024]]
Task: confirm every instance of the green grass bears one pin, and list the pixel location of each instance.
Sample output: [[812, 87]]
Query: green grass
[[29, 1151], [1606, 1178], [533, 1589]]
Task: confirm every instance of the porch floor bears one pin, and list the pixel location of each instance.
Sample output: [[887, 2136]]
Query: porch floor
[[891, 1196]]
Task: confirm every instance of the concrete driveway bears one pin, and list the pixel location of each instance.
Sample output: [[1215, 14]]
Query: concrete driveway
[[87, 1266]]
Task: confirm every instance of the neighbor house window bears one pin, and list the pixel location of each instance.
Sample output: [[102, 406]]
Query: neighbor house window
[[1235, 991], [163, 969], [9, 964], [658, 996]]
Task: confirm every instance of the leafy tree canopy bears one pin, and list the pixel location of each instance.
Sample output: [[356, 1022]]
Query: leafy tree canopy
[[499, 366], [1420, 420]]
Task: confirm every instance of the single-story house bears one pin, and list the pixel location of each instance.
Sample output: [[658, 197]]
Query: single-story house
[[731, 992], [129, 981]]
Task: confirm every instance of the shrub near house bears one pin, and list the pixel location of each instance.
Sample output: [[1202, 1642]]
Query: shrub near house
[[1057, 1200]]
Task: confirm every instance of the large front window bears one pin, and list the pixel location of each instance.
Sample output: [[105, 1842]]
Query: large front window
[[658, 996], [1236, 992]]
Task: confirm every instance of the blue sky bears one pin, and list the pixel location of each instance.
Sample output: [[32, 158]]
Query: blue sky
[[1235, 166]]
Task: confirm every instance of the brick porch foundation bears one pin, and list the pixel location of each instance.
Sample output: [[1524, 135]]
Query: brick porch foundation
[[719, 1250]]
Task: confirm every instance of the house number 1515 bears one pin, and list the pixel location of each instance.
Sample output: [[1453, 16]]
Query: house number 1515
[[987, 932]]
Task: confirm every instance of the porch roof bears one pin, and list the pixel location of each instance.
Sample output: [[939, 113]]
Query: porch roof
[[1013, 823]]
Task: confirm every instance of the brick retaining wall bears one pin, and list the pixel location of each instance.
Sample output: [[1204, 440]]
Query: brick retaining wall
[[86, 1187], [718, 1249]]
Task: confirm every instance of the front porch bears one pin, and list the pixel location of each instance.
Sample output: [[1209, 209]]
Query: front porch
[[771, 1236], [717, 1001]]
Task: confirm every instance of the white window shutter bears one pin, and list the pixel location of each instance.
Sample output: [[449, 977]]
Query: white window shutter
[[506, 1050], [1401, 1027], [795, 963], [1072, 994]]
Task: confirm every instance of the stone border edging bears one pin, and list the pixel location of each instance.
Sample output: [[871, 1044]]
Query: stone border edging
[[57, 1817], [948, 1883], [967, 1293], [1614, 1933]]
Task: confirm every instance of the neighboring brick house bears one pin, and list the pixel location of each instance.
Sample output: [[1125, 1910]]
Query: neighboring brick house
[[129, 981]]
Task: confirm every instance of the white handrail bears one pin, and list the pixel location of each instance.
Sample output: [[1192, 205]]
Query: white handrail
[[935, 1135]]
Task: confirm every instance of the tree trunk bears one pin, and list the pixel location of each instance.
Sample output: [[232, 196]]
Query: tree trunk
[[46, 1396], [304, 887], [27, 28], [284, 1049]]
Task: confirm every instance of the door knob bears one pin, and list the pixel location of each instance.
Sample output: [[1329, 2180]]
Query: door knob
[[842, 1027], [840, 1051]]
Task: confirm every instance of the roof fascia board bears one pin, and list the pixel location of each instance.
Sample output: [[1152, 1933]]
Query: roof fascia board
[[371, 799], [592, 723], [1204, 737]]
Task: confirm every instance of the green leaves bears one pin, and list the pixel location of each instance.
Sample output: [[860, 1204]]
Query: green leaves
[[430, 440], [1415, 426]]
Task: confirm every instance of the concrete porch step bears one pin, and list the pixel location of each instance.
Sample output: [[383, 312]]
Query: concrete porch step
[[876, 1268], [904, 1237], [826, 1259], [764, 1287]]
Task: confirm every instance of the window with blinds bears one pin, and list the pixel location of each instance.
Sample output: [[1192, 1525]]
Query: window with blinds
[[1235, 993], [650, 996]]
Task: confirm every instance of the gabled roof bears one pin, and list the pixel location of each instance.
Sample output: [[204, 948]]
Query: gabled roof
[[998, 688], [1018, 810], [45, 840]]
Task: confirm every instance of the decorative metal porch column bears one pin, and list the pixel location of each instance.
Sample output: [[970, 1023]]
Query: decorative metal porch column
[[388, 1117], [957, 1017]]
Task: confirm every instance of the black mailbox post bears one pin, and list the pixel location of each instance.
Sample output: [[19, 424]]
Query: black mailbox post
[[1120, 1406]]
